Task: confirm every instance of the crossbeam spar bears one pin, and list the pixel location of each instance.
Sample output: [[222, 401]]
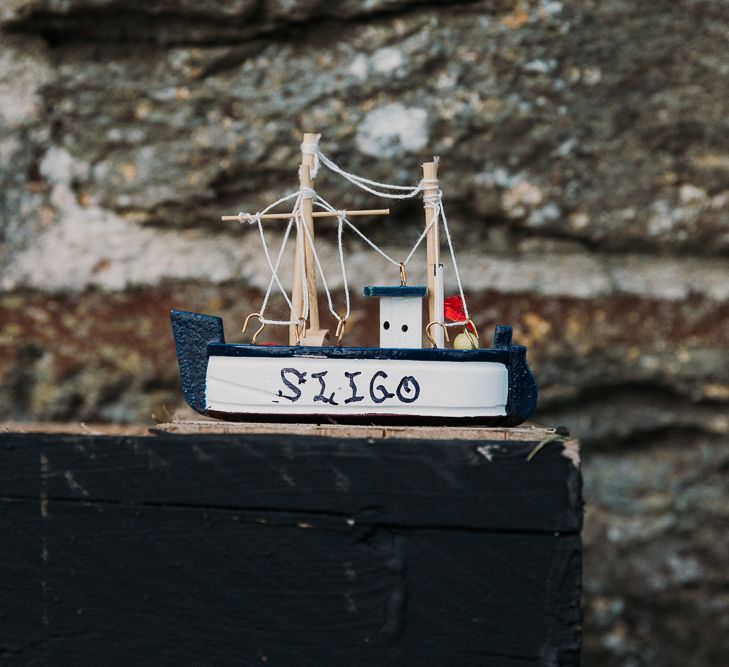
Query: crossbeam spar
[[315, 214]]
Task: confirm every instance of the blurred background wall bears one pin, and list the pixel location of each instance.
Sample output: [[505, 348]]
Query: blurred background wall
[[585, 161]]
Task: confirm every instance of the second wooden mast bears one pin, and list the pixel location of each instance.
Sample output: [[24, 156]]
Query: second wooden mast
[[431, 198]]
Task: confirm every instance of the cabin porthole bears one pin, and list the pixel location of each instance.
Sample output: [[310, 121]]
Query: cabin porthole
[[404, 328], [385, 325]]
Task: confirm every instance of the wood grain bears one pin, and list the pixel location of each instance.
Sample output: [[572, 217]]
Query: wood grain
[[249, 550], [205, 426]]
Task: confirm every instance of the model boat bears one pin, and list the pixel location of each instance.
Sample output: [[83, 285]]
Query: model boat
[[401, 381]]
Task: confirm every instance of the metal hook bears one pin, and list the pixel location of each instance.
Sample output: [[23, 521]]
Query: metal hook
[[341, 326], [299, 329], [261, 328], [403, 275], [430, 337], [472, 335]]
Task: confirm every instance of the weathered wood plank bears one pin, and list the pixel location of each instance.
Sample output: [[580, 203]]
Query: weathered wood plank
[[216, 427], [245, 551], [402, 482]]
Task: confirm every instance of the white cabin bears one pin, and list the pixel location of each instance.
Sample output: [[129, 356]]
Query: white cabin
[[401, 314]]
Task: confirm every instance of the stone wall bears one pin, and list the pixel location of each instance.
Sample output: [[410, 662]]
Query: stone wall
[[585, 158]]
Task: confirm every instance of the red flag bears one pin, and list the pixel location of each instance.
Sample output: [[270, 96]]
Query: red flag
[[454, 310]]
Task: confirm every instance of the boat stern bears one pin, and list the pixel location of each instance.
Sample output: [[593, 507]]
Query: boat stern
[[192, 333], [523, 391]]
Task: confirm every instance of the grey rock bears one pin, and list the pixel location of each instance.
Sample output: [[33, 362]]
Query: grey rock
[[585, 163], [655, 553], [572, 146]]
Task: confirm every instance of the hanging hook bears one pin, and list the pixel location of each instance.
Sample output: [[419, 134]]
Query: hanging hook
[[341, 326], [261, 328], [472, 335], [430, 337], [299, 329], [403, 275]]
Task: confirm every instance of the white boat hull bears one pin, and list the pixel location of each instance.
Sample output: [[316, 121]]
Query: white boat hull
[[356, 387]]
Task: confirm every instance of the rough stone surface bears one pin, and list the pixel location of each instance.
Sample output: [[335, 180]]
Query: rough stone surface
[[656, 545], [585, 161]]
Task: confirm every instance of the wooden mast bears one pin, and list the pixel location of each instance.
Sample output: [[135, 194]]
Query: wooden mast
[[312, 335], [302, 332], [434, 267]]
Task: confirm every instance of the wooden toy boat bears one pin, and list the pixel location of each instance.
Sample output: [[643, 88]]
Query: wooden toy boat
[[398, 382]]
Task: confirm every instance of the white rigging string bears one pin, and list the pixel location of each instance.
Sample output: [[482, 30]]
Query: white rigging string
[[372, 244], [431, 200], [321, 203], [274, 269], [296, 218], [312, 149], [301, 223], [435, 201], [409, 191], [340, 229]]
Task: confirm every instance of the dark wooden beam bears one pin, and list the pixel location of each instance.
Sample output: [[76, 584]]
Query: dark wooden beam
[[285, 550]]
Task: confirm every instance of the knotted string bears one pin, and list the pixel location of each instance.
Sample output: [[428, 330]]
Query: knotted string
[[432, 200]]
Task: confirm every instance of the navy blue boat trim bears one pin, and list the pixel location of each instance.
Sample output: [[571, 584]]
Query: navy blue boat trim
[[502, 338], [522, 397], [193, 332], [404, 354], [395, 290], [366, 420], [199, 336]]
